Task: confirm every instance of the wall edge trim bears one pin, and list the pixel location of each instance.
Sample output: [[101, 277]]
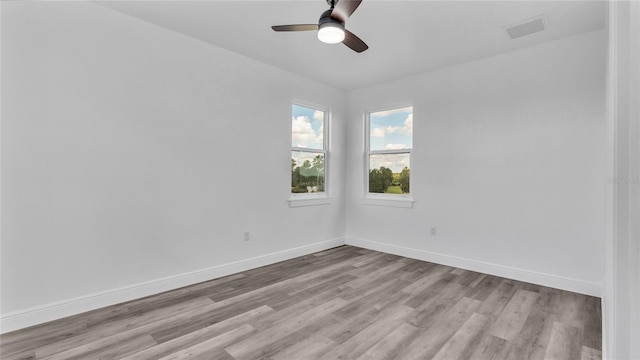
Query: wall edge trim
[[550, 280]]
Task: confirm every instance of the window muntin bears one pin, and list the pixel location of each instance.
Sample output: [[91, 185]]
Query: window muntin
[[308, 150], [389, 145]]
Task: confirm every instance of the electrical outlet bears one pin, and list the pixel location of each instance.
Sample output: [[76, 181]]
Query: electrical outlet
[[433, 231], [247, 235]]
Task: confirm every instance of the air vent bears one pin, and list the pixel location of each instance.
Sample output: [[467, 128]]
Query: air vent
[[526, 27]]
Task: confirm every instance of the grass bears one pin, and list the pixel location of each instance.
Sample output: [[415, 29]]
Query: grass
[[394, 190]]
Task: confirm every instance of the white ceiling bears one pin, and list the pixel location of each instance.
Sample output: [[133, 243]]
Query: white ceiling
[[405, 37]]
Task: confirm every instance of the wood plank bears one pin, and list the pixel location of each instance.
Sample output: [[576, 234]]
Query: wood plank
[[184, 294], [368, 259], [27, 340], [435, 274], [484, 288], [435, 309], [253, 347], [466, 338], [590, 354], [477, 280], [390, 345], [377, 274], [282, 343], [310, 348], [571, 309], [213, 345], [592, 319], [513, 317], [488, 347], [369, 336], [497, 300], [280, 317], [215, 313], [23, 355], [362, 303], [433, 289], [564, 343], [531, 342], [113, 347], [356, 324], [133, 326], [199, 336], [433, 338]]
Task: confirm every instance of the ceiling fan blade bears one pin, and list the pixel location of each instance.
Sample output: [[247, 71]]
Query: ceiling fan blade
[[354, 42], [344, 9], [298, 27]]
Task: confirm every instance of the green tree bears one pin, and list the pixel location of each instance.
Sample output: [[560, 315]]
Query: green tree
[[405, 175], [295, 177], [306, 172], [306, 169], [318, 166], [380, 179], [387, 177], [375, 181]]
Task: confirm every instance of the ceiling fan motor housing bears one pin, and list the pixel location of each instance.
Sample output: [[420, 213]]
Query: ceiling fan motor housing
[[327, 20]]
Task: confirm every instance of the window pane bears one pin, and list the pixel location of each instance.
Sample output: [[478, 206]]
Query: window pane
[[307, 172], [307, 128], [391, 129], [389, 173]]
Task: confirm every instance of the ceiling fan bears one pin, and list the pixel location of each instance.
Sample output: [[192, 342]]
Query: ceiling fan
[[330, 27]]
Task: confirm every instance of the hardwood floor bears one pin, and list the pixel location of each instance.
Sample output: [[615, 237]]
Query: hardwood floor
[[343, 303]]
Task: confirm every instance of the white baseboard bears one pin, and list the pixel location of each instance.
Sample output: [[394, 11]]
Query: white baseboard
[[44, 313], [554, 281], [53, 311]]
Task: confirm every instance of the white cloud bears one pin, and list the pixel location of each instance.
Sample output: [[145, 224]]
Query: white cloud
[[408, 125], [393, 111], [377, 132], [318, 115], [395, 146], [303, 134], [406, 129], [394, 162], [392, 129], [301, 157]]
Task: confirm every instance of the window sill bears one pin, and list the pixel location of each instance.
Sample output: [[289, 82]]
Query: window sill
[[308, 201], [404, 202]]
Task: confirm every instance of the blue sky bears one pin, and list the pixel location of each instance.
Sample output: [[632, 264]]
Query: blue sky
[[391, 129], [307, 127], [307, 131]]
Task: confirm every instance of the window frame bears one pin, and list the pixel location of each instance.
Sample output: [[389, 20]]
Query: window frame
[[395, 200], [317, 198]]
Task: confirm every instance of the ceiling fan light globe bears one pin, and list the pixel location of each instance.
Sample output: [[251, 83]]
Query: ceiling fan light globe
[[330, 33]]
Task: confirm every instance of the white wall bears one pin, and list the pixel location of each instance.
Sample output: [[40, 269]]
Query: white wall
[[508, 165], [131, 153], [119, 139]]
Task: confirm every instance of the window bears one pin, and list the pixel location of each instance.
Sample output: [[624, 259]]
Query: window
[[308, 150], [389, 144]]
